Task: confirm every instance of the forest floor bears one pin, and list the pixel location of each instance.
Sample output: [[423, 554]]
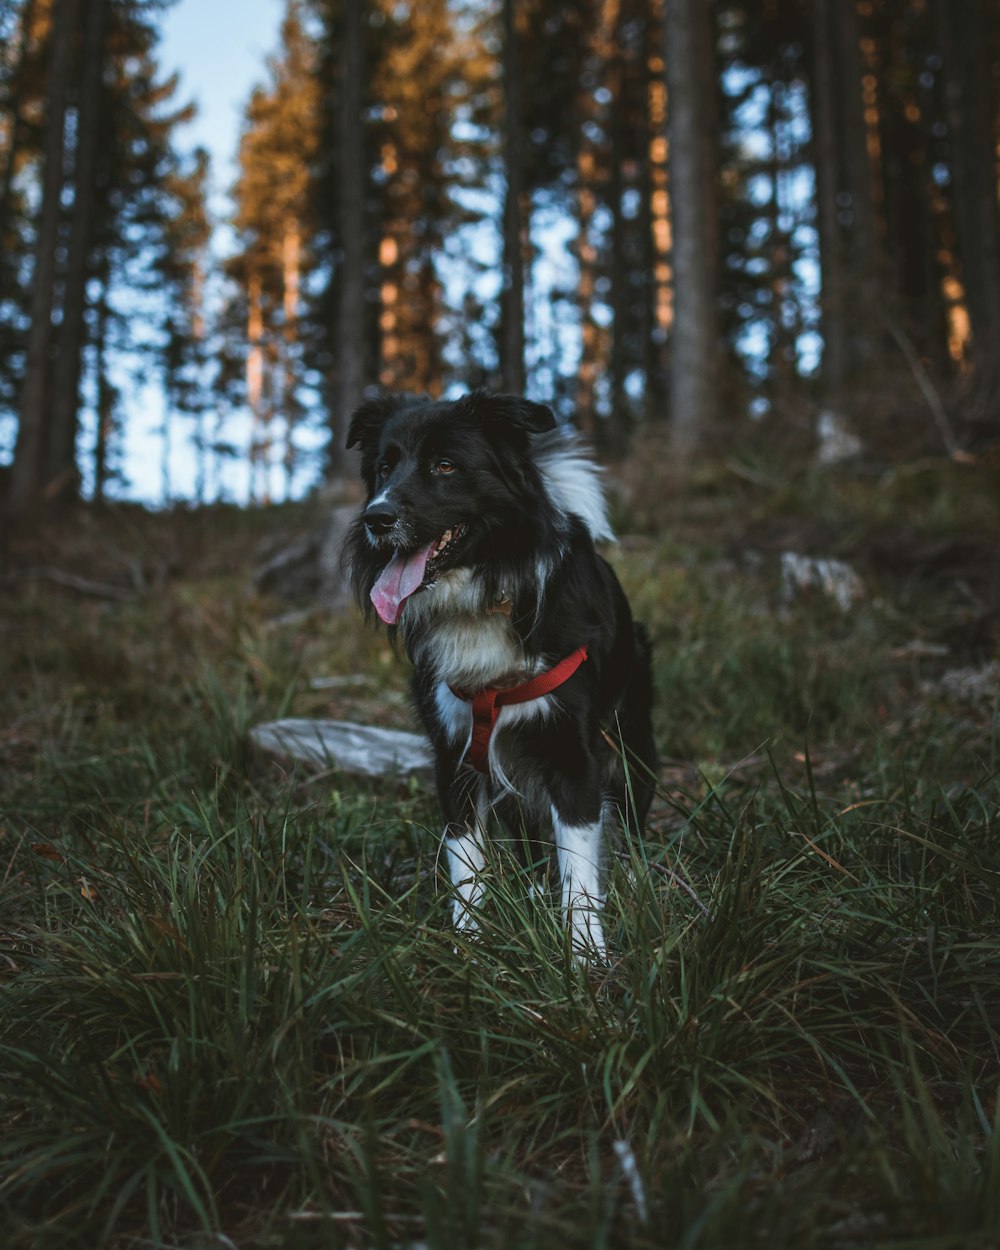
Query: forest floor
[[232, 1012]]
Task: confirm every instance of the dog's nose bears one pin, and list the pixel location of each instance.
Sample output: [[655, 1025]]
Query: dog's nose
[[380, 519]]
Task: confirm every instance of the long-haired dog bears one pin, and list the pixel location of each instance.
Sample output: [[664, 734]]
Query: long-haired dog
[[477, 544]]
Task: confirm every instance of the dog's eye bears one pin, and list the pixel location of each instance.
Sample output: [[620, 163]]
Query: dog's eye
[[383, 470], [444, 467]]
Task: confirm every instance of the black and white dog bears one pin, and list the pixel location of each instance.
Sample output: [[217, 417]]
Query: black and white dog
[[530, 676]]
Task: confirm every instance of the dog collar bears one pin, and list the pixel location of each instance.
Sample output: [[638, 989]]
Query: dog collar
[[486, 704]]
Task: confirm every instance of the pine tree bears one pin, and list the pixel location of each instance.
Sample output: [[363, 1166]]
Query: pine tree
[[27, 480], [412, 83], [60, 472], [962, 33], [101, 221], [766, 222], [273, 217], [23, 65], [183, 266], [352, 229], [514, 225], [694, 392]]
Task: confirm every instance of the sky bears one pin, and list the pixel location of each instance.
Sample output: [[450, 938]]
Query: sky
[[219, 48]]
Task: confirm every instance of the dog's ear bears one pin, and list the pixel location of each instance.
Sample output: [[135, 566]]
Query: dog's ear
[[368, 420], [517, 413]]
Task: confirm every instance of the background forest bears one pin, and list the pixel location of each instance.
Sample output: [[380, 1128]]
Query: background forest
[[751, 250], [691, 217]]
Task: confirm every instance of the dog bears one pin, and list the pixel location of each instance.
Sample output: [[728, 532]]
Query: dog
[[476, 545]]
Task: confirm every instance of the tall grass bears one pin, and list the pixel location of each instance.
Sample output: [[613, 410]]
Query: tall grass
[[233, 1011]]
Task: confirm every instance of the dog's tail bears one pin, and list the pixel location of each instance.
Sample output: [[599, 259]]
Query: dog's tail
[[635, 724], [641, 675]]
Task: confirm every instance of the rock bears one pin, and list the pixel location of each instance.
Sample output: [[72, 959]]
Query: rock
[[366, 750], [836, 442], [833, 578], [968, 685]]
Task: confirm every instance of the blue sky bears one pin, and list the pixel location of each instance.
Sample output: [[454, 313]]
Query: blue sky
[[219, 47]]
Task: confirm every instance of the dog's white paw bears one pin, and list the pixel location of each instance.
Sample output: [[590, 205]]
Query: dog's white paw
[[587, 933]]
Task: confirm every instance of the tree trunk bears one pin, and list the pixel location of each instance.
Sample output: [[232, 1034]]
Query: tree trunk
[[105, 391], [351, 321], [30, 453], [291, 261], [694, 204], [865, 293], [586, 255], [962, 31], [616, 435], [644, 224], [825, 158], [255, 390], [62, 476], [512, 319], [851, 253], [661, 304], [201, 425], [17, 126], [854, 132], [913, 251]]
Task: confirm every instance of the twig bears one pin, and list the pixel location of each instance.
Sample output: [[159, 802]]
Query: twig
[[69, 581], [823, 855], [928, 390], [675, 877], [752, 476]]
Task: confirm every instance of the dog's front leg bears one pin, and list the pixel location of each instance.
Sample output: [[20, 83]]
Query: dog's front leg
[[578, 853], [465, 846], [466, 860]]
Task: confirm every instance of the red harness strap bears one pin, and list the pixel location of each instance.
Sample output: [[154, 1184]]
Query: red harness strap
[[486, 704]]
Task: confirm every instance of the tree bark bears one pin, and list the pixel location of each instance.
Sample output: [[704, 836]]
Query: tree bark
[[621, 295], [105, 392], [351, 321], [833, 262], [866, 256], [61, 472], [857, 165], [291, 265], [255, 390], [586, 255], [30, 452], [661, 304], [852, 256], [964, 44], [17, 126], [512, 318], [694, 204]]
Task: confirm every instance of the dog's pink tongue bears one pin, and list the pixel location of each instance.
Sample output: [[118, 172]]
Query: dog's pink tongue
[[398, 580]]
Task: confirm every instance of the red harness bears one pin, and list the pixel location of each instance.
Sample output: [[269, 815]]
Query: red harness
[[486, 704]]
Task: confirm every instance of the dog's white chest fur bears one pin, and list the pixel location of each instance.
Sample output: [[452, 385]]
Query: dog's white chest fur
[[469, 648], [460, 641]]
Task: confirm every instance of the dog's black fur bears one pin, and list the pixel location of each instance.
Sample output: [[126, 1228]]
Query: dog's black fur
[[519, 586]]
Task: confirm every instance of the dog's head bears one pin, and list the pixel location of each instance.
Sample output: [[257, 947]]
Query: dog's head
[[443, 477]]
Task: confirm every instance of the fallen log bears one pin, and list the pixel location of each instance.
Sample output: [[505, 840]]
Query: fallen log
[[366, 750]]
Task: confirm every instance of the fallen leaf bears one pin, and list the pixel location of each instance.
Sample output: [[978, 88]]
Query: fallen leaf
[[48, 851]]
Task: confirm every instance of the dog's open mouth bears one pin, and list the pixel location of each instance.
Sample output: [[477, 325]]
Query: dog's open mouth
[[410, 571]]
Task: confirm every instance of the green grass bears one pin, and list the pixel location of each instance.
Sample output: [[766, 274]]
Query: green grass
[[232, 1010]]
